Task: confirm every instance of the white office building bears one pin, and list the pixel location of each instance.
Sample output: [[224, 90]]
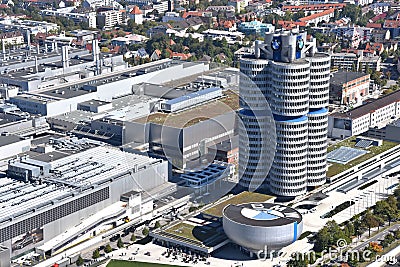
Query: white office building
[[286, 74]]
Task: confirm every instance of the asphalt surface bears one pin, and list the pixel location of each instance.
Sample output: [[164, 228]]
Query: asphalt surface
[[377, 237]]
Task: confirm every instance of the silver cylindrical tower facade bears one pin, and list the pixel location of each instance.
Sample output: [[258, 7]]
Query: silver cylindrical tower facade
[[294, 80], [290, 105], [255, 131], [318, 118]]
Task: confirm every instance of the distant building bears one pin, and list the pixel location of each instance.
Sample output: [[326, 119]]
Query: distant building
[[231, 37], [345, 61], [94, 4], [33, 26], [373, 63], [221, 8], [136, 15], [381, 35], [12, 38], [352, 61], [393, 26], [129, 39], [110, 18], [239, 5], [172, 16], [256, 27], [72, 14], [313, 8], [83, 36], [316, 18], [348, 88], [379, 8]]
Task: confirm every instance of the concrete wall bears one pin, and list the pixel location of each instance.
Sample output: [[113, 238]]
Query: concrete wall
[[14, 149], [4, 257]]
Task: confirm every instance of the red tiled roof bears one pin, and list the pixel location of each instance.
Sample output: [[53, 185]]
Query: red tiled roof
[[391, 24], [374, 25], [313, 7], [317, 15], [136, 11], [181, 56], [291, 24], [381, 16]]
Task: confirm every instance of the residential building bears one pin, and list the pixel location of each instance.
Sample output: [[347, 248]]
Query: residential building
[[345, 61], [317, 18], [359, 120], [95, 4], [231, 37], [172, 16], [12, 38], [393, 26], [129, 39], [110, 18], [378, 8], [381, 35], [313, 8], [221, 8], [136, 15], [283, 62], [72, 14], [373, 63], [239, 5]]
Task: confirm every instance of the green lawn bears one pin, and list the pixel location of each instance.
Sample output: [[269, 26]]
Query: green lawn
[[119, 263], [337, 168], [196, 233]]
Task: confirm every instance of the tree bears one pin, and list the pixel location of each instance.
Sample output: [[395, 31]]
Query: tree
[[120, 244], [388, 75], [349, 229], [353, 67], [389, 239], [387, 210], [96, 254], [145, 231], [79, 261], [297, 263], [397, 234], [384, 55], [108, 249], [133, 238], [157, 224], [298, 15], [322, 240], [370, 221]]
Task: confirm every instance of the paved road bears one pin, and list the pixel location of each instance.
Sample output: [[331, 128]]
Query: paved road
[[377, 237]]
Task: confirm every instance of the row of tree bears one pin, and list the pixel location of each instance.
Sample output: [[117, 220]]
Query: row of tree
[[387, 210]]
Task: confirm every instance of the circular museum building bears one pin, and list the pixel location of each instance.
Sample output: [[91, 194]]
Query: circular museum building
[[262, 226]]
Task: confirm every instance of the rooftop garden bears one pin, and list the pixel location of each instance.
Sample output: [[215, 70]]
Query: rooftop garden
[[336, 168], [228, 102]]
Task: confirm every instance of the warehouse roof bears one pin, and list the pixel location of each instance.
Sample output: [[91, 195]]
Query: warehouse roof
[[9, 139], [90, 167]]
